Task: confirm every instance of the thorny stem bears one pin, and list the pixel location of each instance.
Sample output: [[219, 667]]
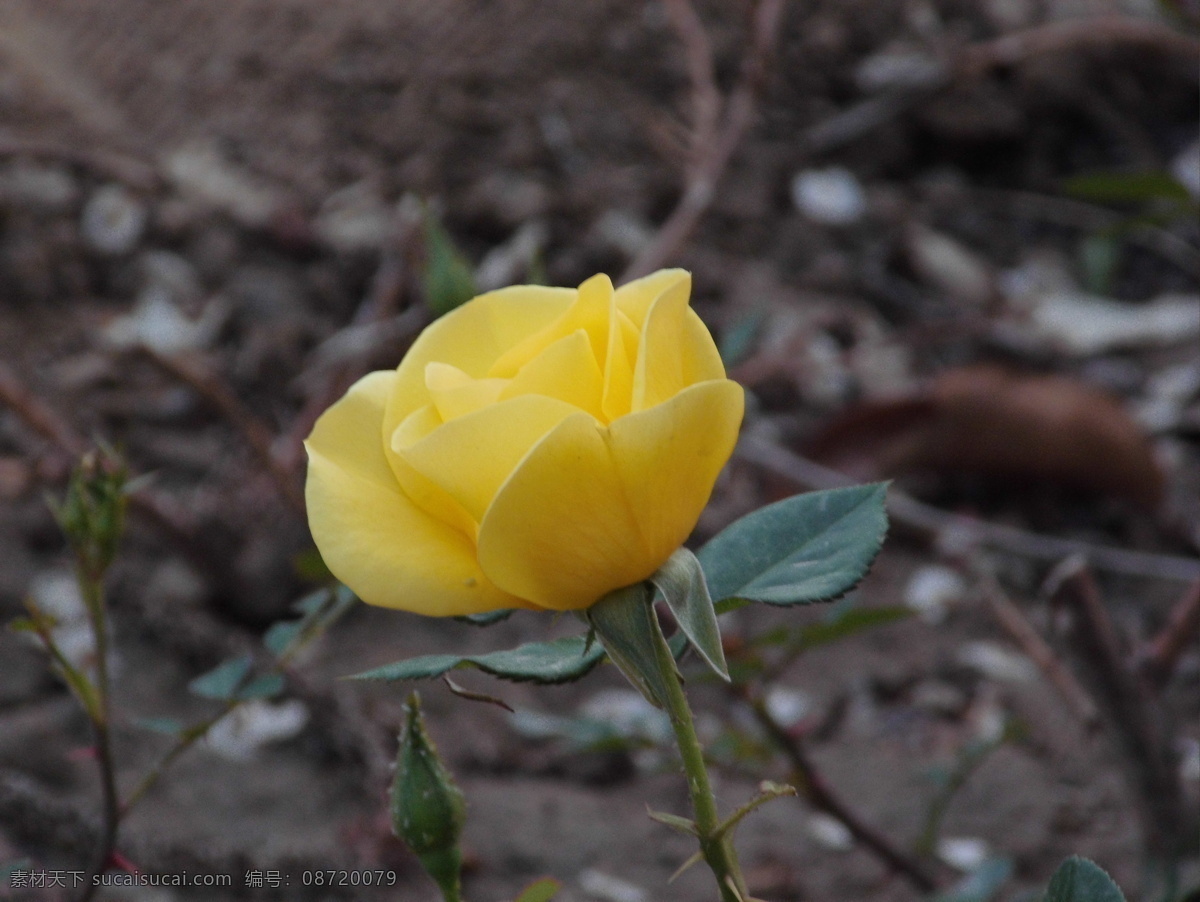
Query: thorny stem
[[92, 585], [715, 847]]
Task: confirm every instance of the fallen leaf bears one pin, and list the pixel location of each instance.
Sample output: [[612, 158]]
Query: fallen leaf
[[1003, 425]]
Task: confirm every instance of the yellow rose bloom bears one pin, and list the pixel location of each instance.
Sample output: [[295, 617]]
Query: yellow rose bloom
[[536, 448]]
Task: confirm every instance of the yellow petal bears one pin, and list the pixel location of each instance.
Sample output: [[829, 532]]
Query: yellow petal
[[420, 489], [658, 374], [701, 359], [676, 349], [566, 370], [350, 431], [588, 311], [618, 365], [559, 531], [371, 536], [472, 338], [470, 458], [634, 298], [455, 394], [669, 456]]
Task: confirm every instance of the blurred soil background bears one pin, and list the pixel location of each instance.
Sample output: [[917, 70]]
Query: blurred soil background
[[955, 243]]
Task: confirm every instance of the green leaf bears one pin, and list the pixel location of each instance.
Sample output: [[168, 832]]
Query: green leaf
[[981, 885], [1080, 880], [557, 661], [738, 340], [488, 618], [449, 279], [222, 681], [282, 634], [312, 603], [540, 891], [681, 581], [627, 627], [811, 547], [1126, 187], [8, 868], [168, 726], [318, 611], [266, 686]]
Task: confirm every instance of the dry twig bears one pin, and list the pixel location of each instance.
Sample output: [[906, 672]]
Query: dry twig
[[1017, 625], [1134, 717], [957, 531], [977, 60], [822, 797], [211, 386], [718, 128], [167, 519], [1075, 34], [1157, 662]]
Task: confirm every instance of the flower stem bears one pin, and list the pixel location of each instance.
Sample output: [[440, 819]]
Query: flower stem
[[715, 847], [92, 585]]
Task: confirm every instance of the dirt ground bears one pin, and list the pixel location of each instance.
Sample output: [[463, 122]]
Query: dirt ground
[[207, 232]]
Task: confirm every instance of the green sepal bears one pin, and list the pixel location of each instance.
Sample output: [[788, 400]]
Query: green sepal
[[628, 630], [488, 618], [681, 582], [557, 661], [1080, 880], [807, 548]]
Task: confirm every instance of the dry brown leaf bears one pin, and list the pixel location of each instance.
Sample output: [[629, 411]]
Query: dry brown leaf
[[987, 420]]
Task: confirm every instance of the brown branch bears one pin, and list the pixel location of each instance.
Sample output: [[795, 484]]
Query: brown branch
[[1059, 37], [1130, 708], [822, 797], [955, 530], [706, 97], [213, 388], [977, 60], [165, 517], [119, 166], [38, 415], [715, 137], [1017, 625], [1157, 662]]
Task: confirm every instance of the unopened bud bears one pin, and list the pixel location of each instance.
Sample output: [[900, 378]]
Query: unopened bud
[[92, 515], [428, 809]]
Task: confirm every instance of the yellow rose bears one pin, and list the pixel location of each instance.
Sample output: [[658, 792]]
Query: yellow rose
[[537, 448]]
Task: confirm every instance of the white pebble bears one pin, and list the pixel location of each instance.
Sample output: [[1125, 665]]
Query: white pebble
[[112, 221], [830, 196], [963, 853], [605, 888], [932, 591], [829, 832]]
